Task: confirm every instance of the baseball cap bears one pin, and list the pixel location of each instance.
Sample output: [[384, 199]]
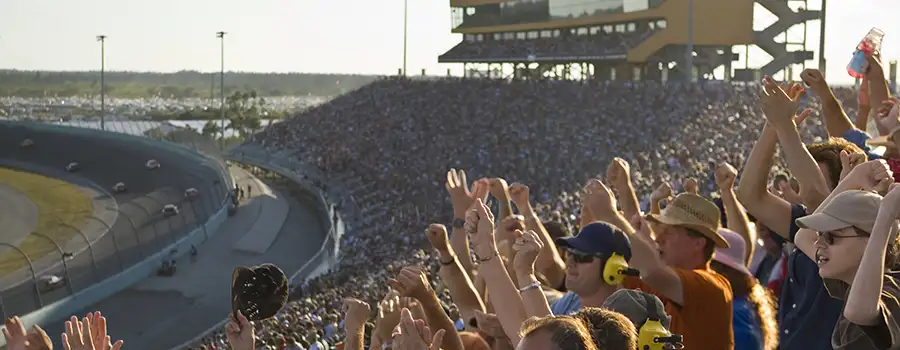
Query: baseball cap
[[733, 256], [633, 304], [854, 208], [601, 238]]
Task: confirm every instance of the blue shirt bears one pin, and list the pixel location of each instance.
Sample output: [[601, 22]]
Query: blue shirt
[[806, 312], [567, 305], [746, 325], [859, 138]]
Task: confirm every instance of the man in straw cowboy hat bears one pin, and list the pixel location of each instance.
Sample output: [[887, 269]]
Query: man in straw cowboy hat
[[672, 250]]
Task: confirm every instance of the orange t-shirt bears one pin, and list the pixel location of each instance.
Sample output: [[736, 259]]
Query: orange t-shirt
[[704, 320]]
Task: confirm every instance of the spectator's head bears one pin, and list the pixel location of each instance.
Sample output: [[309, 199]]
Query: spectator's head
[[828, 155], [587, 254], [473, 341], [555, 333], [844, 224], [610, 329], [687, 231], [633, 304]]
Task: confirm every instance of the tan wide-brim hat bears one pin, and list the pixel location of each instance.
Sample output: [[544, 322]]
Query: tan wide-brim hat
[[694, 212]]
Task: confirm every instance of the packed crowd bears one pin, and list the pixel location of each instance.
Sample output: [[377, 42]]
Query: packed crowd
[[700, 234], [599, 45]]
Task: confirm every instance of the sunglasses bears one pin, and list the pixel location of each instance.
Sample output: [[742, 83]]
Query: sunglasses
[[828, 237], [580, 257]]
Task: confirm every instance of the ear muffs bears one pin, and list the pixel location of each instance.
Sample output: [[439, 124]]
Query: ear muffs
[[616, 268], [653, 335]]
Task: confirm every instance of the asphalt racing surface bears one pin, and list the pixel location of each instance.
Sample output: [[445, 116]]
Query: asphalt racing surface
[[18, 215], [140, 229]]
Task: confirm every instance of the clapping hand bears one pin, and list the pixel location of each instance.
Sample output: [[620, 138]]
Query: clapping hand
[[873, 175], [412, 334], [18, 339], [599, 199], [480, 228], [460, 195], [527, 247], [663, 191], [411, 282], [437, 236], [81, 334], [779, 108], [850, 161], [618, 174], [239, 332]]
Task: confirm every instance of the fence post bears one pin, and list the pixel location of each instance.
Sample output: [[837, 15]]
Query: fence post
[[90, 245], [134, 229], [34, 280], [146, 211], [62, 255], [167, 219]]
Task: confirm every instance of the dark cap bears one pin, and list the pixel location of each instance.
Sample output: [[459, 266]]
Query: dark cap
[[599, 238]]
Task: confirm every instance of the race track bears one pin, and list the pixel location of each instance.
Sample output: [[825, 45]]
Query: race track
[[140, 229]]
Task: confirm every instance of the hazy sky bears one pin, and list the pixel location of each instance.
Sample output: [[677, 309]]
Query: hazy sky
[[346, 36]]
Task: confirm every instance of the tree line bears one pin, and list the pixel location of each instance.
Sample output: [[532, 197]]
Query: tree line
[[184, 84]]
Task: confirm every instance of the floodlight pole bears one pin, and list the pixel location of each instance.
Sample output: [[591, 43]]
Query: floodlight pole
[[689, 48], [405, 33], [221, 36], [102, 40]]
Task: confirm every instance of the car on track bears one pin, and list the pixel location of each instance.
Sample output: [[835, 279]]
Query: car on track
[[48, 283], [170, 210], [26, 143], [191, 193], [73, 167], [152, 164], [119, 187]]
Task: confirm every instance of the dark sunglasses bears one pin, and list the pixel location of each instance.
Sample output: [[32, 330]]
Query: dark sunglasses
[[580, 257], [828, 237]]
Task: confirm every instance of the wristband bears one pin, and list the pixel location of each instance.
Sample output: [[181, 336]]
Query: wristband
[[448, 262], [487, 258], [530, 286]]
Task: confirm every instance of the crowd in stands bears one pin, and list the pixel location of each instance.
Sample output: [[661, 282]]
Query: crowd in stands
[[599, 45], [597, 215]]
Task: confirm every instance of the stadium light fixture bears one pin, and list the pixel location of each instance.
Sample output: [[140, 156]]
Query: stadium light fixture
[[102, 40], [221, 36]]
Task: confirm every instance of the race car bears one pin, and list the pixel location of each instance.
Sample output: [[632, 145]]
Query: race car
[[47, 283], [170, 210], [119, 187], [26, 143], [73, 167], [152, 164], [191, 193]]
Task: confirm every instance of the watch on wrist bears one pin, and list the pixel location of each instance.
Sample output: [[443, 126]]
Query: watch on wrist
[[459, 223]]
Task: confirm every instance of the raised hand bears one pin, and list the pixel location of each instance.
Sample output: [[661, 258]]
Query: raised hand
[[888, 116], [850, 161], [874, 175], [411, 282], [663, 191], [490, 325], [778, 107], [864, 100], [725, 175], [356, 312], [527, 247], [890, 205], [508, 226], [814, 79], [460, 196], [499, 188], [618, 174], [787, 193], [437, 236], [690, 185], [412, 334], [480, 228], [519, 194], [388, 315], [78, 335], [643, 230], [239, 332], [600, 200]]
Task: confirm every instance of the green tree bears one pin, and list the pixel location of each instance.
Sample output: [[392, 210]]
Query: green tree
[[244, 109], [211, 129]]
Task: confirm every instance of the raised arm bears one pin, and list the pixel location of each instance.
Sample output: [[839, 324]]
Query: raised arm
[[644, 254], [663, 192], [413, 282], [549, 262], [779, 109], [458, 282], [618, 174], [462, 198], [528, 247], [356, 312], [836, 121], [734, 212], [753, 192]]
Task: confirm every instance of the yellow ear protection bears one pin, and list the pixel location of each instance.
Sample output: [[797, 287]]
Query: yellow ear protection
[[653, 335], [616, 268]]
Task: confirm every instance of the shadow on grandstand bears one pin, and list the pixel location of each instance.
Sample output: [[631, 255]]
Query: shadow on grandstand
[[138, 230]]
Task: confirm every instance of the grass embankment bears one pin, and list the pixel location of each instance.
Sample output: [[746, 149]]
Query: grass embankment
[[59, 203]]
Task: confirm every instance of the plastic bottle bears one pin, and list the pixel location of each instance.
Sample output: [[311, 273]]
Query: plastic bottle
[[870, 44]]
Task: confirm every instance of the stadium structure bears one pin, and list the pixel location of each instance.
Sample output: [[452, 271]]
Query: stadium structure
[[624, 39]]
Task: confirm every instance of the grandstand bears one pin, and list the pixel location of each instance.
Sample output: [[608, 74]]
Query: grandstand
[[136, 230], [622, 39]]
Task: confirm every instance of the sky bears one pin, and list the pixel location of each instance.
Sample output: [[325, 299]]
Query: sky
[[334, 36]]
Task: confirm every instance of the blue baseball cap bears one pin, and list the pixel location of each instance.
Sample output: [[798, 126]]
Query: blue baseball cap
[[599, 238]]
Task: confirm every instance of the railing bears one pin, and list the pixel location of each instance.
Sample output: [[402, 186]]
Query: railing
[[71, 259]]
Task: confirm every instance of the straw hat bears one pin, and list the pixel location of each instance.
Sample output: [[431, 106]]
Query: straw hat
[[694, 212]]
